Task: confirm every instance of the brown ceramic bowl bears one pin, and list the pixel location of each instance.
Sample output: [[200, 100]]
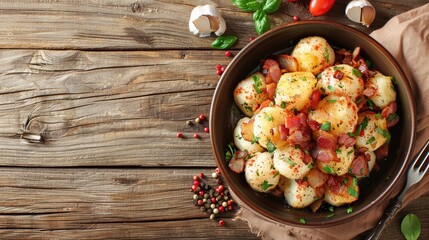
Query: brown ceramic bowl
[[374, 189]]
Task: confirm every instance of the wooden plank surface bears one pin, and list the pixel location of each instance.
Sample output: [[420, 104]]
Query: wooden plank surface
[[132, 24], [107, 84]]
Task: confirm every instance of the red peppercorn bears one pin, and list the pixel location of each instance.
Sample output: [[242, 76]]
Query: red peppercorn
[[196, 135], [217, 170], [251, 39], [230, 208], [195, 178], [202, 117], [201, 193], [200, 202], [222, 194], [221, 209], [219, 181], [179, 134], [218, 66], [295, 18], [194, 188], [201, 175], [221, 188], [230, 202], [213, 200], [197, 183], [222, 69], [221, 223], [206, 129], [219, 72], [228, 53]]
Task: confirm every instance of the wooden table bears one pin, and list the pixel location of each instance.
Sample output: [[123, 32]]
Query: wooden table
[[107, 85]]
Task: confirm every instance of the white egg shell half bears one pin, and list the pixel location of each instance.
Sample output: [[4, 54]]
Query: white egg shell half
[[294, 89], [241, 143], [266, 126], [298, 195], [313, 54], [260, 173], [350, 85], [246, 95], [385, 91], [372, 137], [340, 111], [289, 162]]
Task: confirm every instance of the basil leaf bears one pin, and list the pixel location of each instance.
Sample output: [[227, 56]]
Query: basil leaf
[[265, 185], [224, 42], [411, 227], [246, 5], [271, 6], [262, 23]]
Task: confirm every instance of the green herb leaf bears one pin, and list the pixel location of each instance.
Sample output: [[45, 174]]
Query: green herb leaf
[[224, 41], [331, 88], [338, 151], [262, 23], [326, 54], [351, 134], [229, 153], [302, 220], [326, 126], [382, 132], [268, 117], [271, 5], [338, 68], [283, 105], [411, 227], [331, 100], [328, 169], [394, 80], [265, 185], [370, 104], [370, 140], [318, 77], [349, 210], [255, 139], [271, 147], [378, 116], [356, 72], [256, 84], [246, 5], [304, 79], [352, 192], [331, 208], [330, 215], [391, 117], [355, 182], [290, 162]]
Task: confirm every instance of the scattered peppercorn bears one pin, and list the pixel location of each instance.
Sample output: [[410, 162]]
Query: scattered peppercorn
[[228, 53], [218, 66], [295, 18], [214, 175], [221, 223], [197, 120], [201, 175], [196, 135], [202, 117], [189, 122], [219, 72], [206, 129], [251, 39], [179, 134]]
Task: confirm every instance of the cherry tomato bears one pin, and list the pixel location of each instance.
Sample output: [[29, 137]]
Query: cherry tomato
[[320, 7]]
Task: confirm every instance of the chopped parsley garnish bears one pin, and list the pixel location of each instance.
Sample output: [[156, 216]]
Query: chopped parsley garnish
[[319, 75], [256, 84], [304, 79], [362, 126], [247, 107], [331, 208], [370, 140], [378, 116], [331, 100], [255, 139], [283, 105], [351, 134], [290, 162], [302, 220], [382, 132], [355, 182], [326, 126], [356, 72], [311, 165], [277, 173], [328, 169], [271, 147], [330, 215], [265, 185], [338, 68], [291, 80], [331, 88], [326, 54], [338, 151], [268, 117], [345, 180], [391, 117], [229, 153], [352, 192], [349, 210], [368, 63], [370, 104]]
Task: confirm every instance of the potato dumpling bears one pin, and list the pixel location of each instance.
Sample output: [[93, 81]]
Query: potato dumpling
[[266, 126], [260, 173], [341, 79], [294, 90], [336, 114], [345, 155], [374, 129], [346, 191], [298, 195], [250, 92], [313, 54], [384, 90], [241, 143], [289, 162]]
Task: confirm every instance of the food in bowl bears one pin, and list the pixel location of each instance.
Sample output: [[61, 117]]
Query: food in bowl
[[315, 120]]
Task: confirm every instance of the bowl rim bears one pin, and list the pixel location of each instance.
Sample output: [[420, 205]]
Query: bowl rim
[[333, 221]]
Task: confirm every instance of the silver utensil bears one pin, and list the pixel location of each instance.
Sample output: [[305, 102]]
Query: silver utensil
[[416, 171]]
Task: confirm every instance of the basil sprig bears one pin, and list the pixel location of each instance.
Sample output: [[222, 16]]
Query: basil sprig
[[260, 10], [224, 42], [411, 227]]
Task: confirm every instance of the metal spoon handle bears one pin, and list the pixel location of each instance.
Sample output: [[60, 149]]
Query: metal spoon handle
[[391, 211]]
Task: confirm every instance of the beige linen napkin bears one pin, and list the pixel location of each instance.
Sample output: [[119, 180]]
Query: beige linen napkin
[[406, 36]]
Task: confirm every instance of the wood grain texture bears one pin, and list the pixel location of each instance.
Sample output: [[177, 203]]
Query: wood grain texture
[[146, 24]]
